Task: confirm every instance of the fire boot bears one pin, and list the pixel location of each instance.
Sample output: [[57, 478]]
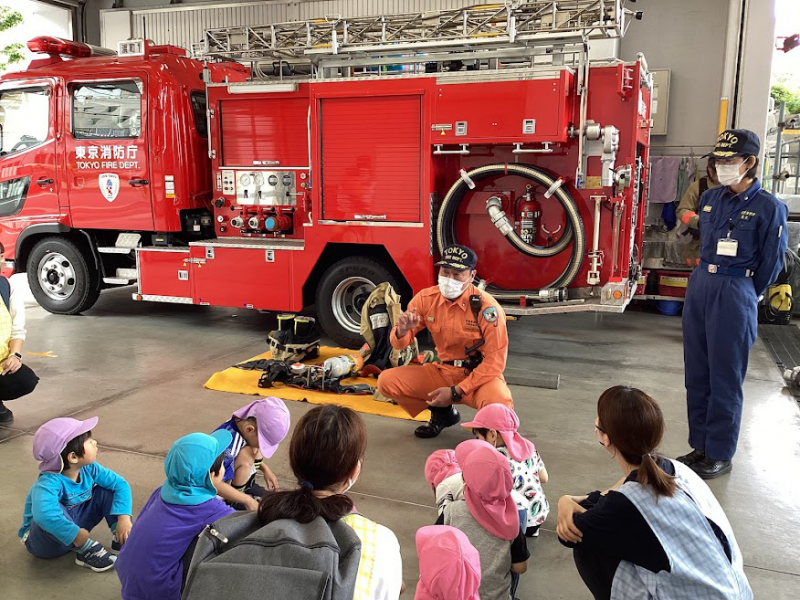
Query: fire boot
[[440, 418]]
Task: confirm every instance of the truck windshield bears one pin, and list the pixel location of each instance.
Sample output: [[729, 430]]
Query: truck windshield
[[109, 109], [24, 118]]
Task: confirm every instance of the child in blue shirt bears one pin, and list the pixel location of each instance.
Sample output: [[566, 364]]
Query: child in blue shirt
[[72, 495], [152, 564], [257, 430]]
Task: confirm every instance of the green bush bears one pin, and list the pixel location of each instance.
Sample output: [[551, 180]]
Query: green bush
[[781, 93]]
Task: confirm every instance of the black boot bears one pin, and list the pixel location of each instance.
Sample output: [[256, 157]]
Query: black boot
[[6, 416], [710, 468], [440, 418], [695, 456]]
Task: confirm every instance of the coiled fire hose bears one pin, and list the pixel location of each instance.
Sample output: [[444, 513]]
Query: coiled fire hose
[[574, 233]]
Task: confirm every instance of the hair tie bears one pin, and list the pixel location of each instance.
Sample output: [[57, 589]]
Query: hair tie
[[306, 485]]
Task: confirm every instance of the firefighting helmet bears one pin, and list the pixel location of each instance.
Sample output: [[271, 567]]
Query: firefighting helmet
[[296, 339]]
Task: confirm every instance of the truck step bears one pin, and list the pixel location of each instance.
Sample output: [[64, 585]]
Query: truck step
[[114, 250], [128, 240], [131, 274], [125, 244], [123, 277]]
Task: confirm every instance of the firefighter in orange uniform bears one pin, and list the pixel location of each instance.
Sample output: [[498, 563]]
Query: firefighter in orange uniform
[[469, 329]]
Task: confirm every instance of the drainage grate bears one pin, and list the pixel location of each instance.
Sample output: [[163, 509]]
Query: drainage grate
[[783, 343]]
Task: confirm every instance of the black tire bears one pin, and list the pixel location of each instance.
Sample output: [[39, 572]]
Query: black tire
[[337, 317], [74, 290]]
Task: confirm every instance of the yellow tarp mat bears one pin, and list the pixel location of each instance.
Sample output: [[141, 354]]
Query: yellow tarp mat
[[240, 381]]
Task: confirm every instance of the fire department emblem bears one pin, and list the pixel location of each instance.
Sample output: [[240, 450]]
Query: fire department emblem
[[109, 185], [490, 314]]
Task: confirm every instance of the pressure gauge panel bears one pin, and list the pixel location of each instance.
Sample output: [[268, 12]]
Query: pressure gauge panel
[[267, 188]]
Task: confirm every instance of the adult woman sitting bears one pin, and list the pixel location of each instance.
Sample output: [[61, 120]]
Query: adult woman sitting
[[658, 532], [326, 455], [16, 379]]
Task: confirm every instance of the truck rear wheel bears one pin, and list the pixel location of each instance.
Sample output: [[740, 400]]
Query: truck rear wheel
[[62, 276], [342, 293]]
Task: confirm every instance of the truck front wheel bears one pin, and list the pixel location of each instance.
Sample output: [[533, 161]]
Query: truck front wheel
[[62, 276], [342, 293]]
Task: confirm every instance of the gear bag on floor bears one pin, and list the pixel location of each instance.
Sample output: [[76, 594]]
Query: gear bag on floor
[[236, 557]]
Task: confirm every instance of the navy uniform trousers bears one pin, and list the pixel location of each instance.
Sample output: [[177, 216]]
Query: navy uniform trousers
[[720, 324]]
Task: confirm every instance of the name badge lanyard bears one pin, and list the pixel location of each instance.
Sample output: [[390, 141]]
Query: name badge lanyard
[[729, 218], [727, 246]]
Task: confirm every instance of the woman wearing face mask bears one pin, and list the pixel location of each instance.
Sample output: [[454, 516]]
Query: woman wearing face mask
[[326, 455], [742, 243], [459, 317], [659, 532]]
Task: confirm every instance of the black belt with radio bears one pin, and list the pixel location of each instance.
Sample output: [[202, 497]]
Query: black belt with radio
[[473, 357]]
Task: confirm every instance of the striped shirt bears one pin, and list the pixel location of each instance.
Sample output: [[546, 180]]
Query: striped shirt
[[232, 451]]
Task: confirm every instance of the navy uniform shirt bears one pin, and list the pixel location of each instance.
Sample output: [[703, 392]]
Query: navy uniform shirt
[[755, 218]]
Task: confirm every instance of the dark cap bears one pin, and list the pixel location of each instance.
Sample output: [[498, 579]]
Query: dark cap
[[459, 258], [736, 142]]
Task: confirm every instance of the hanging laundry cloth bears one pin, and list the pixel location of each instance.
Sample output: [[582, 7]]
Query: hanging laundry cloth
[[686, 173], [664, 179]]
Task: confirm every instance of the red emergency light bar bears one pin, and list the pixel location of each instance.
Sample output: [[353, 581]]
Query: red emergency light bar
[[56, 46]]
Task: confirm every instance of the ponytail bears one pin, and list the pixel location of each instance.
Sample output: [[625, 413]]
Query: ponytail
[[303, 506], [327, 447], [651, 474]]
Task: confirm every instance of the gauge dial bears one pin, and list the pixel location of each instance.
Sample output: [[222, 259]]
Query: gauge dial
[[273, 180], [259, 179], [245, 179]]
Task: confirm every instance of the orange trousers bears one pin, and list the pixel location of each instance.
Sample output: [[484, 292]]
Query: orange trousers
[[410, 385]]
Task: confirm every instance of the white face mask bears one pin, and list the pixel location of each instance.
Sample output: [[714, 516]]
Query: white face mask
[[729, 174], [352, 482], [451, 288]]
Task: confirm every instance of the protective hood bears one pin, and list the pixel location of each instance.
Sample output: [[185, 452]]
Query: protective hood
[[187, 465]]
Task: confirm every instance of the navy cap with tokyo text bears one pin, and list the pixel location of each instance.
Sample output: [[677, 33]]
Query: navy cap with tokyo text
[[736, 142], [459, 258]]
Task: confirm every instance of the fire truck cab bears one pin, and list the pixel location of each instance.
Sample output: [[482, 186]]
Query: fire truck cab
[[94, 145]]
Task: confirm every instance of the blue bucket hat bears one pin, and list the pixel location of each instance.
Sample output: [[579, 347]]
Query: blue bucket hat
[[187, 465]]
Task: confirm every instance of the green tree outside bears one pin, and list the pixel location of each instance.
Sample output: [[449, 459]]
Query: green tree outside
[[11, 53]]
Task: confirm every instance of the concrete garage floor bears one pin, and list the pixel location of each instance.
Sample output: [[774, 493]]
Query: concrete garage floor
[[141, 367]]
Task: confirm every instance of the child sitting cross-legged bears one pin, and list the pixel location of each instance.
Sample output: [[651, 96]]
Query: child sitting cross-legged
[[257, 430], [153, 563], [72, 495], [497, 425], [489, 518]]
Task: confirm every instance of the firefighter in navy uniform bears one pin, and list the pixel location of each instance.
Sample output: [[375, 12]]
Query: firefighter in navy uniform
[[743, 240], [469, 329]]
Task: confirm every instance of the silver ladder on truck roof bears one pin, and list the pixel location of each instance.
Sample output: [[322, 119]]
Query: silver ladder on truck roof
[[488, 30]]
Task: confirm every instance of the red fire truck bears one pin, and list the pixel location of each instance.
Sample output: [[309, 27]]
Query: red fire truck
[[301, 164]]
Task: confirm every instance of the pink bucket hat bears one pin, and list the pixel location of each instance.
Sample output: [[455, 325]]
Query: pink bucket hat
[[505, 421], [272, 418], [464, 449], [52, 437], [449, 566], [487, 490], [439, 466]]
